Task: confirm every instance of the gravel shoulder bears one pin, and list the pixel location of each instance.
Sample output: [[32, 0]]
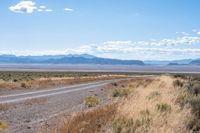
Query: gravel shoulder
[[28, 115]]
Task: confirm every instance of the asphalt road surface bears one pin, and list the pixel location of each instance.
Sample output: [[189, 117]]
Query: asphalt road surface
[[25, 111]]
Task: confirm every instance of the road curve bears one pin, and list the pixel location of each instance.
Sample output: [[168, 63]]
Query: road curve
[[14, 98], [25, 111]]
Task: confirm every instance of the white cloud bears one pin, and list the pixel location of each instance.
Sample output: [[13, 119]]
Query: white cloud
[[69, 9], [48, 10], [28, 7], [126, 53], [42, 7], [23, 7], [40, 10], [181, 47]]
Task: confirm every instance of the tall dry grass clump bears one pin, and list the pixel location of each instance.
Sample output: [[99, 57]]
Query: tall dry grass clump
[[90, 121], [190, 96], [3, 127]]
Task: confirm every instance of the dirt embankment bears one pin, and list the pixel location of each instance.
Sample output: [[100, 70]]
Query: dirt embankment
[[142, 105]]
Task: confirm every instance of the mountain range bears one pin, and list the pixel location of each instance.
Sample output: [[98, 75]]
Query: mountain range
[[66, 59], [169, 62], [88, 59]]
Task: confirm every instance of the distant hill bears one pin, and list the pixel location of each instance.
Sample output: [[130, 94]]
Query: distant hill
[[173, 64], [195, 62], [169, 62], [66, 59]]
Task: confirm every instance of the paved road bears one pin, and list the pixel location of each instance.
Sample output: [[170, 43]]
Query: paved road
[[23, 111], [46, 93]]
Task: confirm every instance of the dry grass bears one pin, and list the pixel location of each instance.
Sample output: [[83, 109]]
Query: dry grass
[[120, 92], [141, 99], [90, 121], [150, 106], [90, 101], [46, 81], [3, 126]]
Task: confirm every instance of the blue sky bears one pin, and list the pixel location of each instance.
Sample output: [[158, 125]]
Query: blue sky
[[125, 29]]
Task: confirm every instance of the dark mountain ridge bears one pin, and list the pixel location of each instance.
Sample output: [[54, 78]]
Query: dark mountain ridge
[[66, 59]]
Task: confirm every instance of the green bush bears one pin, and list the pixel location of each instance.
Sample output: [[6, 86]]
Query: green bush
[[183, 99], [119, 92], [23, 85], [195, 103], [196, 88], [3, 125], [114, 84], [129, 125], [153, 95], [125, 125], [90, 101], [178, 83], [193, 87], [163, 107], [194, 125]]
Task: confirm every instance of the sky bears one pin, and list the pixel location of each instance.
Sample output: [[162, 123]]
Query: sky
[[122, 29]]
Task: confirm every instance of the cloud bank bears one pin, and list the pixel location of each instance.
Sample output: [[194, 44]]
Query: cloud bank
[[69, 10], [30, 6], [184, 46], [23, 7]]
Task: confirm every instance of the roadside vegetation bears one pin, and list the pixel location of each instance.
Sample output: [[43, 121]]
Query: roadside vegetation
[[190, 95], [90, 101], [158, 104], [28, 80], [3, 126]]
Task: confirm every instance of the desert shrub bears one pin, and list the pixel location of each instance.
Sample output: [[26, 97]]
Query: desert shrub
[[125, 125], [131, 86], [88, 121], [163, 107], [15, 80], [183, 99], [119, 92], [178, 83], [196, 88], [153, 95], [24, 85], [182, 76], [145, 112], [194, 125], [145, 119], [114, 84], [195, 104], [129, 125], [190, 95], [3, 125], [193, 87], [90, 101]]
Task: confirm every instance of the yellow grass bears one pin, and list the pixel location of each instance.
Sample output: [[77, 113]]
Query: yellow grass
[[175, 121], [3, 126], [90, 121], [54, 81], [151, 106]]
